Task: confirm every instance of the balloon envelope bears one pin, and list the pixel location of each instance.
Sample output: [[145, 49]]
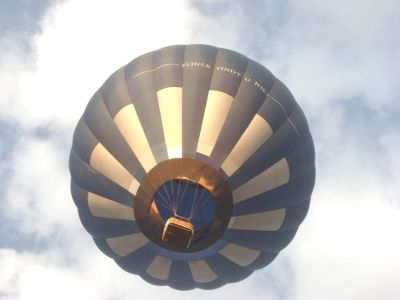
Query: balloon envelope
[[192, 166]]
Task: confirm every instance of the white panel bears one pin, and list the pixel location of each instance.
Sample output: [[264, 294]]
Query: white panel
[[103, 161], [274, 176], [255, 135], [170, 103], [129, 125], [265, 221], [215, 114], [201, 271], [134, 186], [123, 245], [159, 268], [240, 255], [106, 208]]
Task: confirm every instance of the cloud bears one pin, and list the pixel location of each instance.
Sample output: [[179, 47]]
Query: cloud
[[341, 62], [73, 54]]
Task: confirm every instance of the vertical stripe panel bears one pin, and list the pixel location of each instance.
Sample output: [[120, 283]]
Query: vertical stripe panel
[[141, 86], [102, 161], [240, 255], [197, 67], [201, 271], [129, 125], [256, 134], [159, 268], [274, 176], [106, 208], [265, 221], [123, 245], [170, 102], [217, 109]]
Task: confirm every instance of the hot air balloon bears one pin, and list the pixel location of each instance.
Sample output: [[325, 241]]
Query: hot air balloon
[[192, 166]]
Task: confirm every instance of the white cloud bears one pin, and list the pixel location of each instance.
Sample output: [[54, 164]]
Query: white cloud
[[347, 251], [81, 44], [38, 189]]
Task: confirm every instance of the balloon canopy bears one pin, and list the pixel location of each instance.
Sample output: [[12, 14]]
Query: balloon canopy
[[192, 166]]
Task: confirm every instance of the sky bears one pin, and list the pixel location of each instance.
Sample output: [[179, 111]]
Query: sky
[[340, 59]]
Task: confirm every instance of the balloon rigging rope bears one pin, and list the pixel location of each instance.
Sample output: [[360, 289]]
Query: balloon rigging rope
[[171, 207], [177, 196], [172, 189], [163, 204], [167, 204], [169, 199], [194, 201], [201, 197], [284, 112], [183, 194], [157, 192], [199, 201], [172, 203]]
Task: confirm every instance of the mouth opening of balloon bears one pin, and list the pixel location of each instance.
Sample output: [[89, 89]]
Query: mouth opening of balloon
[[186, 199], [183, 205], [187, 208]]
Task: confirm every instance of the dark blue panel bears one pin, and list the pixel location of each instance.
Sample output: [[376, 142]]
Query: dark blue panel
[[228, 71], [168, 63], [201, 157], [266, 241], [106, 228], [79, 196], [90, 180], [281, 93], [115, 92], [298, 119], [302, 159], [140, 64], [83, 141], [273, 113], [295, 215], [180, 276], [278, 105]]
